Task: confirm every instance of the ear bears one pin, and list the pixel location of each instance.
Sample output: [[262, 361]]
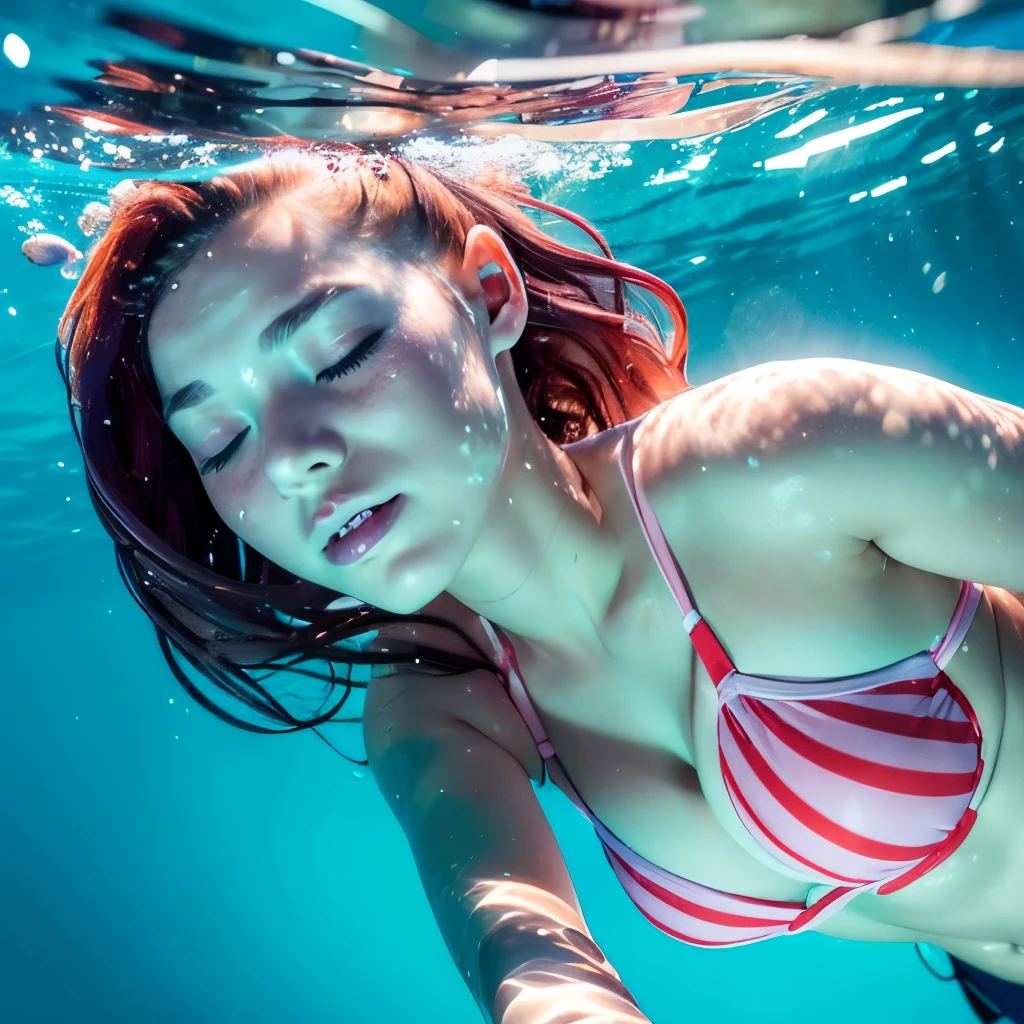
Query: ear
[[490, 274]]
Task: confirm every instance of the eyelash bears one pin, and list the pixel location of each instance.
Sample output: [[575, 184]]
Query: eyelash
[[217, 462], [355, 358]]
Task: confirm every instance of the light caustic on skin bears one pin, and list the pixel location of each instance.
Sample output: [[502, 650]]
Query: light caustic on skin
[[429, 378]]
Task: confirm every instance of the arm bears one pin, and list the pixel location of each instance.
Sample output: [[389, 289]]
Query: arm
[[454, 761], [932, 474], [1003, 959]]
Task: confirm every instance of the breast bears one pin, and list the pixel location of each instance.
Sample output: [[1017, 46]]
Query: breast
[[974, 892], [622, 733], [858, 788], [780, 612]]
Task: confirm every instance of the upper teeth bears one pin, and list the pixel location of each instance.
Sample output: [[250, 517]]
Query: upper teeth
[[355, 521]]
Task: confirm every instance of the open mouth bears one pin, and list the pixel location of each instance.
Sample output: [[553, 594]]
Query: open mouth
[[361, 532]]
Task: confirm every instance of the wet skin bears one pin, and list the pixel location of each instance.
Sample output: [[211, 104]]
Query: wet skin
[[495, 519], [314, 431]]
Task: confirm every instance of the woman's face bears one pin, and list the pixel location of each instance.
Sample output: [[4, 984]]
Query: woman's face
[[313, 377]]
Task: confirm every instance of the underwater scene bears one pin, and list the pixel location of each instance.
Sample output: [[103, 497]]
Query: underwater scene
[[159, 863]]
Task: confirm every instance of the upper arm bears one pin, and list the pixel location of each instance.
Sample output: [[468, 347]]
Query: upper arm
[[819, 448], [454, 761]]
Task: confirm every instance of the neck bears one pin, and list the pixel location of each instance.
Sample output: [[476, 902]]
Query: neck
[[542, 568]]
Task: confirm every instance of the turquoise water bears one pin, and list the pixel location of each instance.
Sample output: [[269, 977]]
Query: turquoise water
[[158, 866]]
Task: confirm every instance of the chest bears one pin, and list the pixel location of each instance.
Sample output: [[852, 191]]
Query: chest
[[636, 728]]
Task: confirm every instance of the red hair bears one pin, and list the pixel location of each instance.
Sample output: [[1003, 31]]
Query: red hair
[[585, 362]]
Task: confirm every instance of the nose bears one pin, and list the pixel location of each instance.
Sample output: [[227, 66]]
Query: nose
[[295, 465]]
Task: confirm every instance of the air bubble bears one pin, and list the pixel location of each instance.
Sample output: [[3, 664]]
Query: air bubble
[[16, 50]]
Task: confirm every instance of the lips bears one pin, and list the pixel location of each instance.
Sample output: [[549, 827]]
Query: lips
[[361, 532], [328, 509]]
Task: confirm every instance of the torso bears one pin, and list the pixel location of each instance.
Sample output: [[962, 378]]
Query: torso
[[635, 729]]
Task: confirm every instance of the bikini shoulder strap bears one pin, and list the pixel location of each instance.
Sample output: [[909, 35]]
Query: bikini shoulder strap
[[959, 624], [517, 690], [709, 649]]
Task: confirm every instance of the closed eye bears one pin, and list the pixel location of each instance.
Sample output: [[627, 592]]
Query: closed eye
[[358, 355], [216, 463]]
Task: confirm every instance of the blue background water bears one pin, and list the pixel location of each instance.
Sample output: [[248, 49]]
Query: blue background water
[[157, 866]]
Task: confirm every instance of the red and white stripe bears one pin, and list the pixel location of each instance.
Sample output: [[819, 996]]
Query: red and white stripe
[[863, 783]]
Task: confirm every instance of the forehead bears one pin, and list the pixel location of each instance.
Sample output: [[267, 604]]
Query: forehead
[[252, 258], [246, 273]]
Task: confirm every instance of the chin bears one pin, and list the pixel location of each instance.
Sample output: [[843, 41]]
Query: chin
[[413, 579], [403, 600], [410, 596]]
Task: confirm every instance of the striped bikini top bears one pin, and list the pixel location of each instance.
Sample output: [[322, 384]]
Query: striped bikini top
[[862, 783]]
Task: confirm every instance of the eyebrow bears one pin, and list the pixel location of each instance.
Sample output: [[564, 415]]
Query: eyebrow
[[184, 398], [281, 328], [277, 332]]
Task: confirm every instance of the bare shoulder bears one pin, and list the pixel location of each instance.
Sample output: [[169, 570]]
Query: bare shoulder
[[406, 706], [861, 434], [803, 405], [411, 706]]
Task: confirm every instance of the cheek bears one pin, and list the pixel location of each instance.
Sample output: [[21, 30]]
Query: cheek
[[443, 395], [452, 373], [479, 403], [246, 503]]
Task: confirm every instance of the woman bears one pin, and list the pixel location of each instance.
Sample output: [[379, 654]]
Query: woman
[[336, 408]]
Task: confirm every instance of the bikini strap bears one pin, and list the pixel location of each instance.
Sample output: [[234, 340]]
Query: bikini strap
[[521, 699], [959, 624], [517, 691], [708, 647], [655, 536]]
